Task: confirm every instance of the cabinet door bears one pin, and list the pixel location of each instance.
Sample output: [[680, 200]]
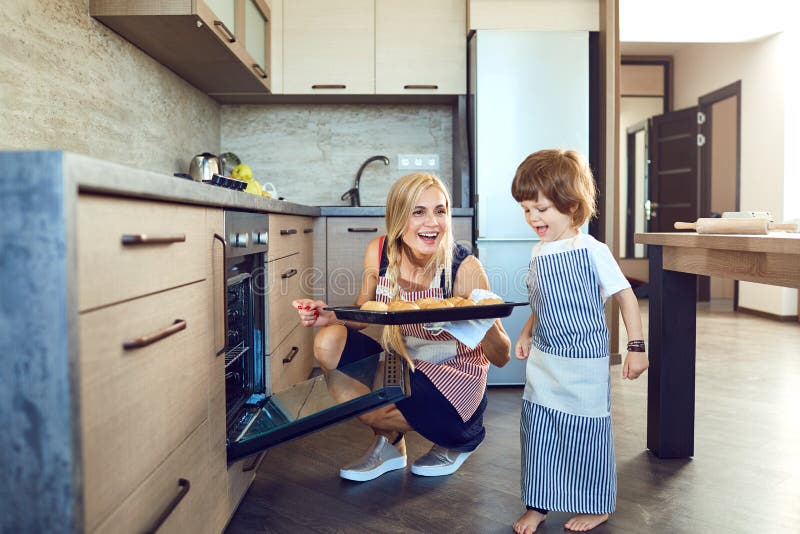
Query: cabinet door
[[329, 47], [257, 36], [348, 238], [420, 47]]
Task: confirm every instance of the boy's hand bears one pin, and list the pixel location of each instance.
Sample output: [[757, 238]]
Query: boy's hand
[[636, 363], [522, 347]]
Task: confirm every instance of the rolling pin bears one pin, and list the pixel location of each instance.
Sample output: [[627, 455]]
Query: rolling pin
[[734, 226]]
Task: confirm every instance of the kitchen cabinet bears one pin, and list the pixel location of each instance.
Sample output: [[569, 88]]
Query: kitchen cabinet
[[346, 241], [219, 46], [420, 47], [290, 277], [329, 47], [374, 47], [147, 328]]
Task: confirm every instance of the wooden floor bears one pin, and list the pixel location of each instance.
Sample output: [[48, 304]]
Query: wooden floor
[[745, 476]]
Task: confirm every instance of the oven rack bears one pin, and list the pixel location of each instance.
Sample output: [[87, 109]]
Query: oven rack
[[232, 355]]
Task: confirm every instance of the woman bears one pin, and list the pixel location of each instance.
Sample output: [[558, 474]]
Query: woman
[[417, 258]]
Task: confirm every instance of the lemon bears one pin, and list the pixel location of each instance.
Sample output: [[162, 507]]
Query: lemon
[[242, 172], [254, 188]]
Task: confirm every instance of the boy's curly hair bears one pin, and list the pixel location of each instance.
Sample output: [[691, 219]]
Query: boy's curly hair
[[563, 176]]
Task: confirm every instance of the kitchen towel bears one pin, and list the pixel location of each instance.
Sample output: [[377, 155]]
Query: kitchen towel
[[469, 332]]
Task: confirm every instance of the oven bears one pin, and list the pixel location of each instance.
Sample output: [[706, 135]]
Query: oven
[[258, 418]]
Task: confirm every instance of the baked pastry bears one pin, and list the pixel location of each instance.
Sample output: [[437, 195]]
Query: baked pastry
[[455, 301], [465, 302], [427, 303], [374, 305], [402, 305], [490, 301]]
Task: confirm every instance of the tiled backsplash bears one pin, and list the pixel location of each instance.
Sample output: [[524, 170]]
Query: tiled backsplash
[[311, 152], [67, 82]]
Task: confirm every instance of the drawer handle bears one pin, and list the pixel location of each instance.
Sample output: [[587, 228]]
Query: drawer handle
[[291, 231], [229, 34], [328, 86], [261, 72], [138, 343], [146, 239], [290, 273], [184, 485], [420, 87], [252, 465], [291, 355], [308, 230], [364, 230]]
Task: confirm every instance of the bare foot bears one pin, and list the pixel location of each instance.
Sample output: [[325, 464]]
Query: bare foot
[[529, 522], [584, 522]]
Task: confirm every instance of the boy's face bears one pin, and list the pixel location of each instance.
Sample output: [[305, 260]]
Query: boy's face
[[548, 223]]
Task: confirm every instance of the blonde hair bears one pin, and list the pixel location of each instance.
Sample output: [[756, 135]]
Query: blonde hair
[[400, 203], [563, 176]]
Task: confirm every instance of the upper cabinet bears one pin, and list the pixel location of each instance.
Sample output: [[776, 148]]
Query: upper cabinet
[[374, 47], [329, 46], [219, 46], [420, 47]]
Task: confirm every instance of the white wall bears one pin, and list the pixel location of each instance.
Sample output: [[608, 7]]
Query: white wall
[[701, 69]]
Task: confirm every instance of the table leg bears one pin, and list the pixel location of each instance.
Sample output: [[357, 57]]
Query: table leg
[[670, 385]]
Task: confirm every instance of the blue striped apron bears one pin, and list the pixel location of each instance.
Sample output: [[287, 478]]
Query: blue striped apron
[[565, 431]]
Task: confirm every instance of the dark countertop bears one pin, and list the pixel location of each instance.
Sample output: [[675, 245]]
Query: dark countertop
[[375, 211]]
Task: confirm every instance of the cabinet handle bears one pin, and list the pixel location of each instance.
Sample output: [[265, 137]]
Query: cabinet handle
[[252, 465], [146, 239], [224, 292], [229, 34], [291, 355], [363, 230], [308, 230], [290, 273], [184, 485], [328, 86], [261, 72], [144, 341], [420, 87], [288, 232]]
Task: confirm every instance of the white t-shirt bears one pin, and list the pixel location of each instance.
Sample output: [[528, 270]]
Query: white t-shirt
[[608, 272]]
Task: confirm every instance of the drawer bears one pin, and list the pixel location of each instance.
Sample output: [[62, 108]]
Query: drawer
[[110, 271], [292, 361], [286, 234], [137, 405], [285, 285], [347, 240], [240, 475], [140, 512]]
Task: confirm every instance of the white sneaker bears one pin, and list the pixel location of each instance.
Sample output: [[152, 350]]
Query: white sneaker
[[380, 458], [439, 461]]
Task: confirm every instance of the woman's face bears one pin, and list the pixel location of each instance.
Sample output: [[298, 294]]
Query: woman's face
[[427, 222]]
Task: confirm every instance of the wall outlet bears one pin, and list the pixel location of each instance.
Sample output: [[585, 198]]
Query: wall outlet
[[418, 162]]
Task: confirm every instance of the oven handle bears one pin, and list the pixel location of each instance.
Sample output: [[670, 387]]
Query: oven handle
[[224, 291]]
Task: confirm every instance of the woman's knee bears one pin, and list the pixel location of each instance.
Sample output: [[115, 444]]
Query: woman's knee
[[329, 344]]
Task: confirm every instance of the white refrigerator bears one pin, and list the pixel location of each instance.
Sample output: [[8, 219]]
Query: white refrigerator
[[528, 90]]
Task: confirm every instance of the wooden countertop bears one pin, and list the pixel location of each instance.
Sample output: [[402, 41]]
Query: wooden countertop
[[767, 259]]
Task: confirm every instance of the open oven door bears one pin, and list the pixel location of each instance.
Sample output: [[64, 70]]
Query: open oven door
[[318, 402]]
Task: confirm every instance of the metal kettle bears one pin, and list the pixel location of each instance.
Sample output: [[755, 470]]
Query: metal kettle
[[204, 166]]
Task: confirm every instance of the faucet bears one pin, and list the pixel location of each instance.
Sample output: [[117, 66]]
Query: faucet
[[354, 193]]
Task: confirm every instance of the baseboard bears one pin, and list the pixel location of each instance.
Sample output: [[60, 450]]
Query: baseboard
[[767, 315]]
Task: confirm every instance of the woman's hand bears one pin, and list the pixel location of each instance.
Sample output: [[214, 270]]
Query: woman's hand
[[636, 363], [312, 314], [522, 347]]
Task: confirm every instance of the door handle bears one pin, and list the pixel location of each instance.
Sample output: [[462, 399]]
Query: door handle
[[144, 341], [184, 485]]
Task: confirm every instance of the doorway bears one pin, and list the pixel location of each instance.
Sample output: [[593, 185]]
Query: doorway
[[720, 128]]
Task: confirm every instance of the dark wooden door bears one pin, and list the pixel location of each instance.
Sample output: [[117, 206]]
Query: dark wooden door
[[674, 191]]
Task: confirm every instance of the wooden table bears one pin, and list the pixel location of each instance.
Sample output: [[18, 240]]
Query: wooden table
[[675, 261]]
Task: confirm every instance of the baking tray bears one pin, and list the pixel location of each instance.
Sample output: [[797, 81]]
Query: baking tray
[[436, 315]]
